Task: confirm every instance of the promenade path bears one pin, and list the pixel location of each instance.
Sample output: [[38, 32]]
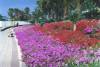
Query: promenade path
[[9, 51]]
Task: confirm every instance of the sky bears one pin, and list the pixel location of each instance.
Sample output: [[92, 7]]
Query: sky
[[21, 4]]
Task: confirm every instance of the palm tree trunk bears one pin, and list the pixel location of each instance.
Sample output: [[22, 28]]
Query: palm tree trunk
[[74, 27], [78, 8], [78, 13], [65, 8]]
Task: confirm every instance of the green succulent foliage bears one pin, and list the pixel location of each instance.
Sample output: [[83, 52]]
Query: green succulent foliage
[[50, 20], [32, 21], [93, 64], [41, 21]]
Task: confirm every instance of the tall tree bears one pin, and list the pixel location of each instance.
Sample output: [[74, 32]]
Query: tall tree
[[65, 8], [11, 13], [27, 10], [27, 13], [78, 8], [16, 14]]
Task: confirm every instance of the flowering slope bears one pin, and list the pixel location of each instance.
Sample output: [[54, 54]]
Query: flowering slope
[[42, 50]]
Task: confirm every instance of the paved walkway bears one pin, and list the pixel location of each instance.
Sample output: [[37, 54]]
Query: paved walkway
[[9, 51]]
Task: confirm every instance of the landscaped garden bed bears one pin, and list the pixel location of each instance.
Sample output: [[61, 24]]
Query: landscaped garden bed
[[58, 45]]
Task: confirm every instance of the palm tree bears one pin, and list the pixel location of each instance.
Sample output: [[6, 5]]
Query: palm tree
[[27, 13], [16, 14], [65, 8], [27, 10], [11, 13], [78, 8]]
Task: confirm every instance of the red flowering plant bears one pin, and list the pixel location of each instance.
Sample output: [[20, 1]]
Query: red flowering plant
[[37, 27], [58, 26], [61, 35], [75, 37], [97, 35], [69, 25], [82, 24], [98, 26], [89, 26], [92, 42], [59, 31]]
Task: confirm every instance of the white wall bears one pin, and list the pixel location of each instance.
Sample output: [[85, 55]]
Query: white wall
[[10, 23], [0, 24]]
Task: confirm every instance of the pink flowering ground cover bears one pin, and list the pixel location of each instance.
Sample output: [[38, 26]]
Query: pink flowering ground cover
[[41, 50]]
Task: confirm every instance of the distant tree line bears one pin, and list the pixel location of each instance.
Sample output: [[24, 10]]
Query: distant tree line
[[16, 14], [3, 18]]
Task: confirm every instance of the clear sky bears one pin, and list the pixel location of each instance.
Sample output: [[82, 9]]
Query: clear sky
[[21, 4]]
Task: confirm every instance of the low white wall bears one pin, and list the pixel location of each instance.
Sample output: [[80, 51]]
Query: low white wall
[[0, 24], [10, 23]]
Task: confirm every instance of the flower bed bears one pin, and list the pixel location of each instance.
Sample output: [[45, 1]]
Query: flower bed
[[56, 44]]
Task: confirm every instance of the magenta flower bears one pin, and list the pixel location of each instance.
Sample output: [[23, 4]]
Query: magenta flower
[[88, 30]]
